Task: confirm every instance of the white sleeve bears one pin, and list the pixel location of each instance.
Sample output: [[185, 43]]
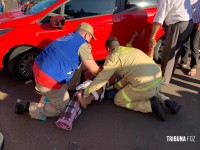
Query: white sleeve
[[162, 11]]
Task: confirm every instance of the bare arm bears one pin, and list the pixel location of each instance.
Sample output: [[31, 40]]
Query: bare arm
[[87, 59], [152, 40], [3, 3], [135, 34], [91, 66]]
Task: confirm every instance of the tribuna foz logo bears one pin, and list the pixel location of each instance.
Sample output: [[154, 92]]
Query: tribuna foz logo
[[180, 138]]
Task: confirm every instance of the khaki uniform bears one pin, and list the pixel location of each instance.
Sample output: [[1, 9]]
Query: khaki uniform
[[59, 98], [143, 75]]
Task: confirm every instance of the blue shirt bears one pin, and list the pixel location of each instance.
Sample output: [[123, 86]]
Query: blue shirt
[[60, 58]]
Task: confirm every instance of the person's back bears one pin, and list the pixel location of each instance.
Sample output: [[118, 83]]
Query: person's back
[[61, 61], [140, 69]]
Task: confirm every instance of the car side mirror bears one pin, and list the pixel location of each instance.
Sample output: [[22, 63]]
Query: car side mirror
[[57, 22]]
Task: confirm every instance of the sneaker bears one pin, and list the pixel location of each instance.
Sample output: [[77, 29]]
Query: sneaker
[[21, 106], [173, 106], [157, 108]]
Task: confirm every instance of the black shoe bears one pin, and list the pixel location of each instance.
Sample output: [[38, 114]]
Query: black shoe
[[173, 106], [157, 108], [21, 106]]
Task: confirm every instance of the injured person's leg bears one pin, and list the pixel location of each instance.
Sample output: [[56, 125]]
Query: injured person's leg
[[96, 95], [107, 90], [73, 109], [71, 112], [87, 100]]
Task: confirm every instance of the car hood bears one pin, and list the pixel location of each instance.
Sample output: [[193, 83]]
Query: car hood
[[11, 15]]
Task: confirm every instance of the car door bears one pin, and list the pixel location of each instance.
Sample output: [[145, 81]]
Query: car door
[[99, 14], [136, 15]]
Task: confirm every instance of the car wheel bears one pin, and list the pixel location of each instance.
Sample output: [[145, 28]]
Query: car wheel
[[20, 62], [158, 50]]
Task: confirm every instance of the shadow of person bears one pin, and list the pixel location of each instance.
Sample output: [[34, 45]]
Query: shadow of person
[[186, 78], [185, 70]]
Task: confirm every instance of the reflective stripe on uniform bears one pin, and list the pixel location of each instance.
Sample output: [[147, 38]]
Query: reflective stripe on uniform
[[120, 84], [123, 49], [128, 105], [148, 87], [126, 97]]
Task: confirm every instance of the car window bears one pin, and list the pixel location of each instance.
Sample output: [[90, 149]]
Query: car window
[[140, 3], [47, 18], [41, 5], [80, 8]]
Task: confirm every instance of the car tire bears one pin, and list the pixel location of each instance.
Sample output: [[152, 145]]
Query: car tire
[[158, 50], [20, 62]]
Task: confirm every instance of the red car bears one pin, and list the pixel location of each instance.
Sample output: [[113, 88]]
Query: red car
[[25, 31]]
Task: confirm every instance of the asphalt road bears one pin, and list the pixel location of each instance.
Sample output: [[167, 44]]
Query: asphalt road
[[103, 126]]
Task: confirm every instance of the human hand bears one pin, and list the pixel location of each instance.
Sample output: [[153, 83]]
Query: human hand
[[135, 34], [4, 5], [111, 81], [81, 99], [152, 43], [124, 81], [151, 54]]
